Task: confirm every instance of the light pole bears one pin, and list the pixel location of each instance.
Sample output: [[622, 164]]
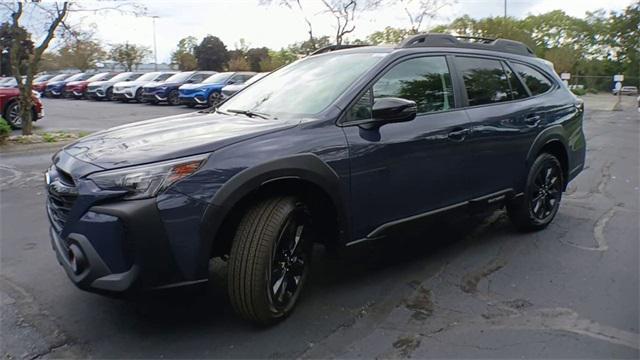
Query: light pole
[[155, 45]]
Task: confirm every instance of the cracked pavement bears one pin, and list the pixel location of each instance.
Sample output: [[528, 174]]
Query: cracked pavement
[[465, 286]]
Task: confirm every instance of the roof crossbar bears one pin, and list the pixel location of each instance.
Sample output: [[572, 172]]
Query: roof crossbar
[[467, 42]]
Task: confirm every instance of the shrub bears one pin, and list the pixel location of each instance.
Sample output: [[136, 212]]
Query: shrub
[[579, 92], [5, 130]]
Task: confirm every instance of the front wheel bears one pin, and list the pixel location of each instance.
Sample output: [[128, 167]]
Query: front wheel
[[269, 260], [173, 98], [539, 205], [109, 94], [139, 96], [214, 99]]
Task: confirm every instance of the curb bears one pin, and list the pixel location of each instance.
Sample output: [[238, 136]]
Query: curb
[[33, 148]]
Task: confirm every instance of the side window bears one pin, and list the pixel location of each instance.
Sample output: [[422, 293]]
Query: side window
[[197, 78], [425, 80], [518, 90], [484, 80], [163, 77], [237, 79], [535, 81]]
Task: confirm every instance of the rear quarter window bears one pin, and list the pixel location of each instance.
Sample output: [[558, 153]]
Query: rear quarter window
[[534, 79]]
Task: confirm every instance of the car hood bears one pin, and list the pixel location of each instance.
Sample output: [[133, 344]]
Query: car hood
[[99, 83], [168, 138], [131, 83], [234, 87], [56, 83], [75, 83]]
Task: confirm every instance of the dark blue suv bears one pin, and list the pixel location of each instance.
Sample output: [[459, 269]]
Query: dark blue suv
[[340, 148], [167, 91]]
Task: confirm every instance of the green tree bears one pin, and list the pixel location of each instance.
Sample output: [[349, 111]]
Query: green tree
[[184, 55], [129, 55], [211, 54], [81, 52], [389, 35], [278, 59], [238, 63]]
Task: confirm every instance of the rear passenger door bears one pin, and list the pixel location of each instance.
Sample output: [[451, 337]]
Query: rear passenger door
[[504, 124]]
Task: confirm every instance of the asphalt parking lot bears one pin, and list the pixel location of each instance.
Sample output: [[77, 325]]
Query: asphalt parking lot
[[464, 287]]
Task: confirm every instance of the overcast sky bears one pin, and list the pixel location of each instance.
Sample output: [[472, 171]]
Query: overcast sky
[[275, 26]]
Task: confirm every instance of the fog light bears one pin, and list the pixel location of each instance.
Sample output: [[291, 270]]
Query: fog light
[[76, 259]]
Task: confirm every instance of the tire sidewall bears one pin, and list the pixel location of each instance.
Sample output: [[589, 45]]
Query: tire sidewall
[[6, 115], [301, 214], [541, 162], [173, 95]]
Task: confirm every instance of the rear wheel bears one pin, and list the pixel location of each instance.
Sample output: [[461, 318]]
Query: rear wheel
[[270, 258], [539, 205], [13, 116], [173, 98], [109, 94], [139, 95]]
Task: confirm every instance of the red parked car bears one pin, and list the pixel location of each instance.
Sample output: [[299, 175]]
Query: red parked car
[[10, 107], [76, 89], [40, 85]]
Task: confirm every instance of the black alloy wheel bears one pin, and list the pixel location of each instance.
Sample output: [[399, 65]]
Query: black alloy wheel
[[269, 260], [109, 94], [541, 200]]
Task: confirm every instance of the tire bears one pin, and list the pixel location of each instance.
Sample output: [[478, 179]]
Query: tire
[[109, 94], [543, 193], [173, 98], [269, 260], [12, 115], [214, 99], [138, 96]]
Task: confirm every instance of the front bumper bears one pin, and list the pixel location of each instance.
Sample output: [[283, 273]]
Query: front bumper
[[192, 100], [96, 94], [154, 97], [74, 93], [123, 95]]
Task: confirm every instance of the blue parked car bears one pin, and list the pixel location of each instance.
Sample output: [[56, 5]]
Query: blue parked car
[[168, 90], [56, 88], [209, 91]]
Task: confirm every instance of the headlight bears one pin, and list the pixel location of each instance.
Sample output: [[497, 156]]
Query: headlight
[[163, 88], [146, 181]]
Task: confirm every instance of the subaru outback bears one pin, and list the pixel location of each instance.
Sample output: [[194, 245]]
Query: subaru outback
[[343, 147]]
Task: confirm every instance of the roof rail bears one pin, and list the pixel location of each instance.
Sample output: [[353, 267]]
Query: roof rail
[[467, 42], [335, 47]]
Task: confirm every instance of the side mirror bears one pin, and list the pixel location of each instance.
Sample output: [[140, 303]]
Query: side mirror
[[230, 82], [391, 110]]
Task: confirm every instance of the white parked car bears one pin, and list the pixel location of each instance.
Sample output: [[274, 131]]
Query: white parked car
[[234, 88], [132, 90]]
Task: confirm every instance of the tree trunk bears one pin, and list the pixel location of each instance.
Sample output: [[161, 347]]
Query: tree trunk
[[26, 110]]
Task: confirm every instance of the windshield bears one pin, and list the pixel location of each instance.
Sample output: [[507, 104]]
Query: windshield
[[305, 87], [75, 77], [179, 77], [97, 77], [148, 76], [121, 77], [42, 78], [255, 78], [218, 78], [59, 77]]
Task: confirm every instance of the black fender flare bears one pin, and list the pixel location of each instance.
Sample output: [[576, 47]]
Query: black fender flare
[[306, 166], [553, 133]]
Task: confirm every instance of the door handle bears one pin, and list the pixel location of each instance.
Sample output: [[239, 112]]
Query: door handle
[[458, 134], [532, 120]]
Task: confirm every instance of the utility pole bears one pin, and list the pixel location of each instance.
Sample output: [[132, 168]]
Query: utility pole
[[505, 9], [155, 45]]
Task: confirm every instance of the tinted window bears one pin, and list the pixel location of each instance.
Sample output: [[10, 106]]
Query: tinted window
[[484, 80], [518, 90], [536, 82], [164, 77]]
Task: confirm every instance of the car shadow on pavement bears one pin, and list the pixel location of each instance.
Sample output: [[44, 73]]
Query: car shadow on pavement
[[334, 278]]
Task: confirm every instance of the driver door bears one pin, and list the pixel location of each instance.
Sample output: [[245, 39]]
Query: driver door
[[402, 170]]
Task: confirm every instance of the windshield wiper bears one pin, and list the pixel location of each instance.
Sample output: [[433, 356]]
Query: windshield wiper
[[249, 113]]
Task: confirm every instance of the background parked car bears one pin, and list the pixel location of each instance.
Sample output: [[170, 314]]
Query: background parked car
[[103, 90], [168, 90], [56, 88], [41, 86], [132, 90], [11, 107], [626, 90], [77, 89], [207, 92], [234, 88], [10, 83]]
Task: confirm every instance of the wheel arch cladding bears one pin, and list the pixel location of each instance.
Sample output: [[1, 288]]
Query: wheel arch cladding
[[303, 175], [552, 141]]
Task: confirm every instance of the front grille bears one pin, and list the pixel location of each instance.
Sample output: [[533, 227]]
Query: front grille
[[93, 88], [62, 195]]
